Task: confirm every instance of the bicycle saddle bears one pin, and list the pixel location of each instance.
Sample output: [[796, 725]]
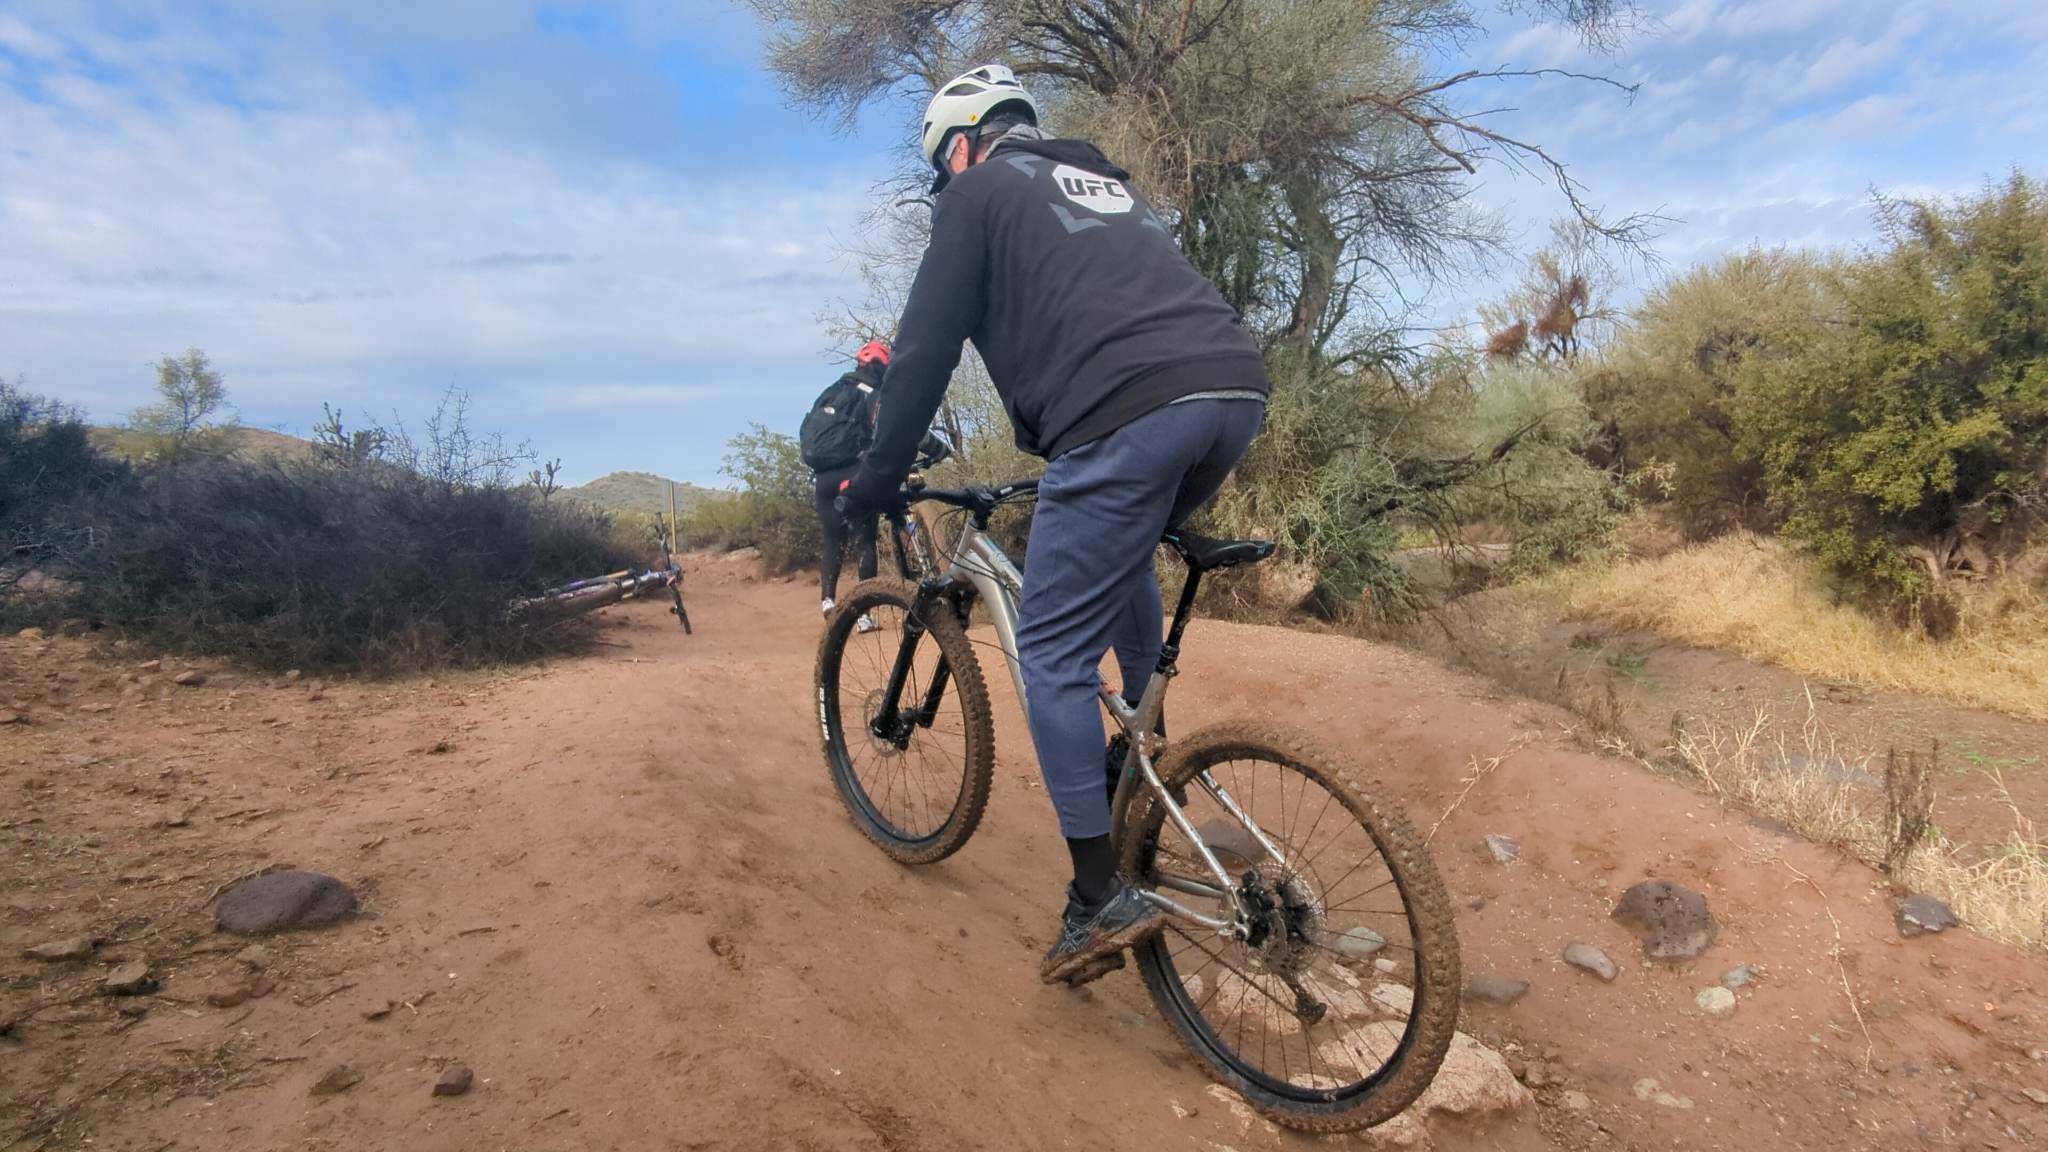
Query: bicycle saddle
[[1203, 553]]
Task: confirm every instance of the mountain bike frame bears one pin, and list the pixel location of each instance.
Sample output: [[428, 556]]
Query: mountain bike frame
[[979, 568]]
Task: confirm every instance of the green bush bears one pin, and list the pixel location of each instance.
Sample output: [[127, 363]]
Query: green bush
[[1664, 394], [1553, 501], [1897, 442], [775, 509], [1320, 479]]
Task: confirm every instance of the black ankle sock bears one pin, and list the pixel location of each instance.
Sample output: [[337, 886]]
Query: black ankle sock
[[1094, 868]]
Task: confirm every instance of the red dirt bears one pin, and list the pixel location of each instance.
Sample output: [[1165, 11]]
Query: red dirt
[[621, 888]]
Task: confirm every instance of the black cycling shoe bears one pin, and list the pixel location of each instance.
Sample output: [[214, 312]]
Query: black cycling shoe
[[1093, 938]]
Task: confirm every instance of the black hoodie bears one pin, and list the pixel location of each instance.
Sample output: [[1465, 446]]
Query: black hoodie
[[1074, 293]]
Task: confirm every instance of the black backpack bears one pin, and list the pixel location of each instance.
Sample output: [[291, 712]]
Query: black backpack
[[835, 430]]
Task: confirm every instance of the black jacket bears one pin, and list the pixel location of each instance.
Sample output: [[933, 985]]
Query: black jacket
[[1076, 296]]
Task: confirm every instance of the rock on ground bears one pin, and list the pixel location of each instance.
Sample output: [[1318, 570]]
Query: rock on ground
[[1474, 1079], [277, 901], [66, 948], [189, 679], [1920, 914], [1717, 1001], [339, 1078], [1489, 989], [1591, 959], [1741, 976], [455, 1080], [1672, 920], [1650, 1091], [130, 979]]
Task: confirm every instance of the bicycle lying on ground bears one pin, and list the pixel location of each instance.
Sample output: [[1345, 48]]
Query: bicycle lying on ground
[[1281, 968], [580, 596]]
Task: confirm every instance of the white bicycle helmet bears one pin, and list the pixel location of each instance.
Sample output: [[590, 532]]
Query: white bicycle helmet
[[966, 101]]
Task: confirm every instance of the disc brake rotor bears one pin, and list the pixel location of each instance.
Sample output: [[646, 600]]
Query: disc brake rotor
[[871, 709]]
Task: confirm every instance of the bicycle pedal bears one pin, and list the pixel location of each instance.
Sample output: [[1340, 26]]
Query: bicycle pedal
[[1095, 970]]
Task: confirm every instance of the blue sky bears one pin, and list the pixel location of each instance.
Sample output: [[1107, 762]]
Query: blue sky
[[603, 222]]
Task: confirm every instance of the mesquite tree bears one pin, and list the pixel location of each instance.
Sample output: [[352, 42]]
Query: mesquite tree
[[1311, 163]]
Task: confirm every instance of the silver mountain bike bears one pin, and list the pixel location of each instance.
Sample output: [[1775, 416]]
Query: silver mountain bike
[[1309, 959]]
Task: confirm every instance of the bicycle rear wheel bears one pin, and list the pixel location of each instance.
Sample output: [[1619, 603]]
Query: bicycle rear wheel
[[1335, 1012], [914, 772]]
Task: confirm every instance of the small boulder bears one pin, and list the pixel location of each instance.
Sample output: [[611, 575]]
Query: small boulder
[[151, 665], [66, 948], [1499, 990], [189, 679], [1576, 1101], [240, 990], [130, 979], [1672, 920], [1359, 943], [339, 1078], [1717, 1002], [256, 957], [1503, 849], [1473, 1080], [1919, 914], [1741, 976], [30, 634], [7, 717], [1650, 1091], [1590, 959], [278, 901], [455, 1080]]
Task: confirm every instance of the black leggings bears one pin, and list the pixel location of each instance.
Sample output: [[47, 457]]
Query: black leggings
[[835, 526]]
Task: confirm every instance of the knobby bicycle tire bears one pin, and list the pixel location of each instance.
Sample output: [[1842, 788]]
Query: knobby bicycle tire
[[943, 628], [1434, 1016]]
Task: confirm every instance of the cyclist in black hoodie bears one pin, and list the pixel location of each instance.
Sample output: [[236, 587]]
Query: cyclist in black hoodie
[[1121, 366]]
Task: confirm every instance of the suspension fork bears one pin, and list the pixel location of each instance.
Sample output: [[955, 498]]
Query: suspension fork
[[888, 722]]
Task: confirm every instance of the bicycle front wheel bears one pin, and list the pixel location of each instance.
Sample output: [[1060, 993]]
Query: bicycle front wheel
[[915, 769], [1337, 1005]]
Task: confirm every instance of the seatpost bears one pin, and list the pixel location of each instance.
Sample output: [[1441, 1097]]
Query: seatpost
[[1169, 653]]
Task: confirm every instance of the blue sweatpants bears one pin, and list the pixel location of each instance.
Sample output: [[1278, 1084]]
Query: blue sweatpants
[[1089, 584]]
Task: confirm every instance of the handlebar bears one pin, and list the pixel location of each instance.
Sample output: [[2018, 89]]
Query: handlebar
[[979, 500]]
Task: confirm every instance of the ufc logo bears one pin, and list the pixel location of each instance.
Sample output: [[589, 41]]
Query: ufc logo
[[1083, 188]]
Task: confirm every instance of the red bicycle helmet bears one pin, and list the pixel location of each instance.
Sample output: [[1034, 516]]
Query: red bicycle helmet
[[871, 352]]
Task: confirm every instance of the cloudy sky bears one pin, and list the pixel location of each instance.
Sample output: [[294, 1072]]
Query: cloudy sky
[[600, 219]]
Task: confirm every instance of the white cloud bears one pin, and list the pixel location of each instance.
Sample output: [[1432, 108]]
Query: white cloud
[[17, 36], [332, 248]]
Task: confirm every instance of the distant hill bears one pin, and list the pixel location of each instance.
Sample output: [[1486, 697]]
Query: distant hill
[[637, 492], [245, 441]]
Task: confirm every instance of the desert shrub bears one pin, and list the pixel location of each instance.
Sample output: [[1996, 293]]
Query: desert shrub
[[304, 564], [1321, 478], [1553, 503], [52, 486], [1664, 394], [1900, 441], [774, 510]]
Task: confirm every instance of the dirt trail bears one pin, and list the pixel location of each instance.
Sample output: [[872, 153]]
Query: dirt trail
[[622, 890]]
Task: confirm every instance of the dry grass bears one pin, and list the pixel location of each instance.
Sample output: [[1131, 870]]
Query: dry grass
[[1879, 809], [1754, 596]]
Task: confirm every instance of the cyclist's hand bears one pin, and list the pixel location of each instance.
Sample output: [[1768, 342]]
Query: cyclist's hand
[[868, 492]]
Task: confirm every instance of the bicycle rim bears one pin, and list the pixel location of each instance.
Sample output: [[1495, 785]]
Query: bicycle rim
[[1337, 1013], [919, 790]]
